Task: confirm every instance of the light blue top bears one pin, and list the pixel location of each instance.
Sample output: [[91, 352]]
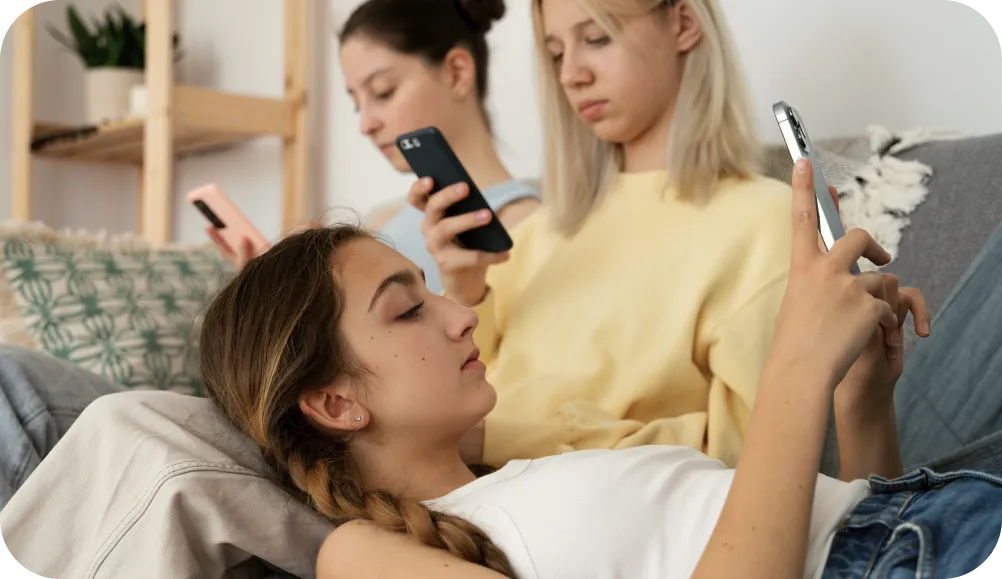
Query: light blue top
[[403, 232]]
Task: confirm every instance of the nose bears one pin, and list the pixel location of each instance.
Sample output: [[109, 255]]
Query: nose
[[462, 321], [573, 72], [368, 124]]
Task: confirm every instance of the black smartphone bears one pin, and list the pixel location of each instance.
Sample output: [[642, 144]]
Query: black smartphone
[[429, 155]]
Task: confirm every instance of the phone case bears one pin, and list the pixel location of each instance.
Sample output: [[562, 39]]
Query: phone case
[[429, 155], [791, 125], [222, 213]]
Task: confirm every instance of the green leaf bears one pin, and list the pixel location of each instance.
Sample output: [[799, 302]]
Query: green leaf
[[114, 39], [86, 42]]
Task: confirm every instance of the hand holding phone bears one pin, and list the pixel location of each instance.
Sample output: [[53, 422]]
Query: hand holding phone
[[229, 225], [799, 144], [430, 156]]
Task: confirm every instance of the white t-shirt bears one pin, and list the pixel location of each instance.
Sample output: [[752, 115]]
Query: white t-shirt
[[644, 512]]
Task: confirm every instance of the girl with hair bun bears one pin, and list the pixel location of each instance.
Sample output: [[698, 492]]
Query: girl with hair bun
[[410, 64]]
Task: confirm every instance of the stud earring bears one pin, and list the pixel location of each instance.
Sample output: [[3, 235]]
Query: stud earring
[[358, 419]]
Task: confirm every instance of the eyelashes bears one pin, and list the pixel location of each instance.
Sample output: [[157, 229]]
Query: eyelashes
[[412, 313], [597, 42]]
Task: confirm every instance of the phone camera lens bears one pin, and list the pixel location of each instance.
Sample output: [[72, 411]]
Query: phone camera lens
[[800, 139]]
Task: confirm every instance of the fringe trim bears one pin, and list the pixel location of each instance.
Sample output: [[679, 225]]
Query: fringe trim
[[37, 231], [885, 190]]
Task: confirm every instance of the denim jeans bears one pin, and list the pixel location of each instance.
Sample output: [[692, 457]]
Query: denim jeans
[[949, 399], [923, 525]]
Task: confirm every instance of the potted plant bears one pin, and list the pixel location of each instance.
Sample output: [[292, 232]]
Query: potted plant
[[113, 53]]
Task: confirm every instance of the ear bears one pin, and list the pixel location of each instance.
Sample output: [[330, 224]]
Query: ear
[[460, 72], [687, 28], [334, 408]]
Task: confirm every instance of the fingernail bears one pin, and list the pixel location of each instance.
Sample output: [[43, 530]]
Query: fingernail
[[483, 215], [459, 189], [895, 338], [801, 166], [426, 181]]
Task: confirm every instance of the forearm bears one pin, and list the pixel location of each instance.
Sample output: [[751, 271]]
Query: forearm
[[763, 528], [867, 439]]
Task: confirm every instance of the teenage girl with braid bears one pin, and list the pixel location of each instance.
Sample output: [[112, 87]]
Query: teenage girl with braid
[[358, 383]]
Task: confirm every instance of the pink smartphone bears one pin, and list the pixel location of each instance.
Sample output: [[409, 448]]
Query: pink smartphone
[[226, 217]]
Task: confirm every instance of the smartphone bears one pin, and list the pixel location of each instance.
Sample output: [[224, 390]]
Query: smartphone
[[226, 217], [791, 125], [429, 155]]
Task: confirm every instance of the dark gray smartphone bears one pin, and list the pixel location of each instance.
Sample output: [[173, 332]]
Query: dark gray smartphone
[[429, 155], [799, 143]]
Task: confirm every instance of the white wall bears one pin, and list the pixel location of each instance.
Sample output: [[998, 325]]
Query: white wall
[[845, 64], [849, 63]]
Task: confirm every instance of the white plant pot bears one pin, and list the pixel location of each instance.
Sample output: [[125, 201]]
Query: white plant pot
[[109, 91], [137, 101]]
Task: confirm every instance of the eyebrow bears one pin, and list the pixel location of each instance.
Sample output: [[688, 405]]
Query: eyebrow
[[577, 27], [404, 277]]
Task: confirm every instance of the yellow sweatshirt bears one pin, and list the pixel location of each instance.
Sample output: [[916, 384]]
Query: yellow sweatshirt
[[649, 326]]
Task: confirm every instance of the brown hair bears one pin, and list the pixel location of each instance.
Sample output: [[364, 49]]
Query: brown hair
[[271, 334]]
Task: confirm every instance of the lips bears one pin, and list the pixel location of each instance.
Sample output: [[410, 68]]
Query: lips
[[474, 356], [591, 109]]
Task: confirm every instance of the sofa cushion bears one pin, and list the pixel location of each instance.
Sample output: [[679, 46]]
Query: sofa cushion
[[117, 306], [963, 209], [163, 487]]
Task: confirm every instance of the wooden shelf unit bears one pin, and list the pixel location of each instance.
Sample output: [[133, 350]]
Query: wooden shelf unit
[[181, 121]]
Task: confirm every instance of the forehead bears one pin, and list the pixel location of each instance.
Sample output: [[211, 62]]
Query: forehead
[[361, 56], [362, 264], [561, 15]]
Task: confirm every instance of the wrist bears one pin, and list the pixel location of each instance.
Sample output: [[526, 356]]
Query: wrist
[[864, 405], [801, 374], [472, 299]]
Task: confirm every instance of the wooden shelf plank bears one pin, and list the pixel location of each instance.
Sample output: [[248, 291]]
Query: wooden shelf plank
[[123, 143], [203, 121], [232, 113]]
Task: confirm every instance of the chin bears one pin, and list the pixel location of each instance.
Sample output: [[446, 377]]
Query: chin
[[399, 163], [490, 395], [611, 130]]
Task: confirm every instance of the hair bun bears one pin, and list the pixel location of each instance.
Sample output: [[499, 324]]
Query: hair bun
[[482, 13]]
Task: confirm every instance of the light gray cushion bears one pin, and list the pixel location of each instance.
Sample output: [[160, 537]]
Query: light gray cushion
[[158, 485]]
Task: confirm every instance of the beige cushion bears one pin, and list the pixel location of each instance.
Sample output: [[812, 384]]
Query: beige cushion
[[157, 485]]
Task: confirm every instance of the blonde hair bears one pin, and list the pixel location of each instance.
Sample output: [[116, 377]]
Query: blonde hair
[[711, 135]]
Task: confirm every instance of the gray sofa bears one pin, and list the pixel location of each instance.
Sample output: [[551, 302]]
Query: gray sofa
[[964, 206]]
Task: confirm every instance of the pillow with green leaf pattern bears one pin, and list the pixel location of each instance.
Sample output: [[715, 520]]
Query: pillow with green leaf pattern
[[118, 306]]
